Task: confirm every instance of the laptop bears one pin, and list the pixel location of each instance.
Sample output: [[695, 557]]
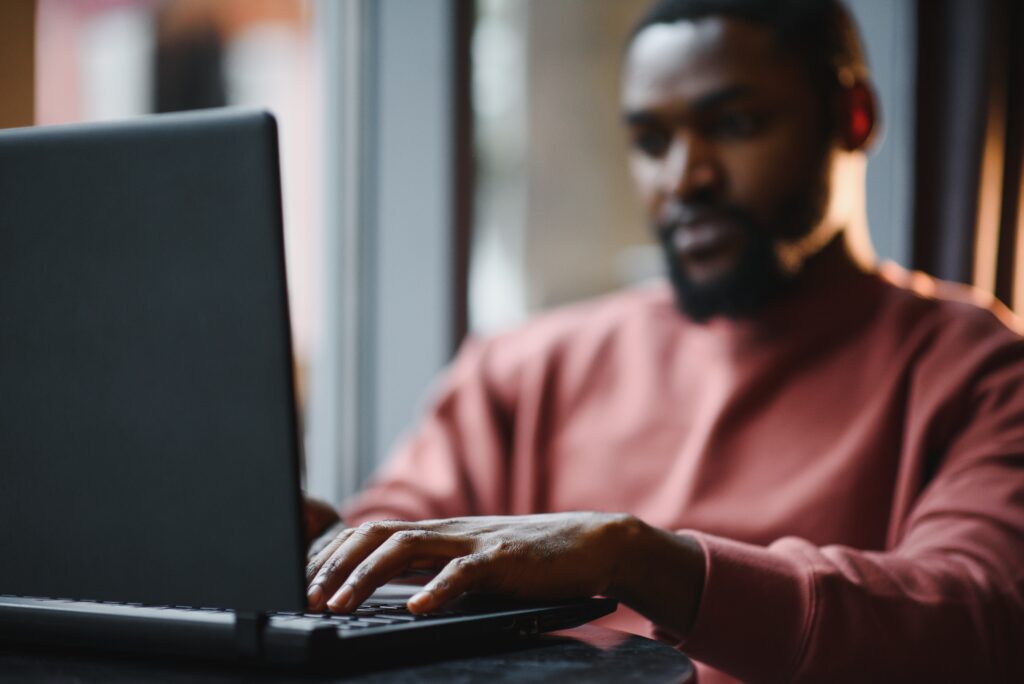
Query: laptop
[[149, 439]]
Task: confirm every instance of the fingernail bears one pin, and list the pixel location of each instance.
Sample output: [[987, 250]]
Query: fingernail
[[421, 601], [341, 600], [314, 595]]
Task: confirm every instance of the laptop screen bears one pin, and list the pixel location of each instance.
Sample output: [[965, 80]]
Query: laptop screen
[[148, 431]]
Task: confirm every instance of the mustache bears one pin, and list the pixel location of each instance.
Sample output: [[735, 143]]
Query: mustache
[[681, 215]]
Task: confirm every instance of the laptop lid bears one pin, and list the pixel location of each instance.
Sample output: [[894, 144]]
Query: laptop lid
[[148, 432]]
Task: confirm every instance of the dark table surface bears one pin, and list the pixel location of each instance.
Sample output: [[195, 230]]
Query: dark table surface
[[584, 654]]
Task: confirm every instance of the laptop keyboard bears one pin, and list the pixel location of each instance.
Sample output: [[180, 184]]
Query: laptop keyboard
[[369, 614]]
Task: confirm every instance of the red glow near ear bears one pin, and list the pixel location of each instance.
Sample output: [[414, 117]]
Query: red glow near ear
[[859, 125]]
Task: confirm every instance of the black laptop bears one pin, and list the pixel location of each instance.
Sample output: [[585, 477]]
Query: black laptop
[[149, 446]]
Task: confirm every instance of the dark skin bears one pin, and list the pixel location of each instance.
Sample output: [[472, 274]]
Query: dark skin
[[716, 112], [719, 117]]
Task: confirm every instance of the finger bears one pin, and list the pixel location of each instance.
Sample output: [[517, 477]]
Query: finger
[[462, 574], [399, 552], [358, 544], [321, 556], [322, 542]]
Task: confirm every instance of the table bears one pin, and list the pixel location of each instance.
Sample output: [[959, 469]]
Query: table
[[583, 654]]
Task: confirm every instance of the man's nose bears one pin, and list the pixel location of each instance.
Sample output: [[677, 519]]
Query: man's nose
[[690, 168]]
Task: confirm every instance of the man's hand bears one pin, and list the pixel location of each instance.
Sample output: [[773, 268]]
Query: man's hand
[[535, 557], [319, 519]]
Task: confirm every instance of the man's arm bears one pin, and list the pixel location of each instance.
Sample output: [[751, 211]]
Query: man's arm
[[946, 604], [534, 557]]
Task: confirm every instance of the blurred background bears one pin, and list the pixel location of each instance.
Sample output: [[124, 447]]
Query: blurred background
[[452, 167]]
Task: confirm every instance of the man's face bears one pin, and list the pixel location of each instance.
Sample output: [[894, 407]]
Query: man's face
[[730, 157]]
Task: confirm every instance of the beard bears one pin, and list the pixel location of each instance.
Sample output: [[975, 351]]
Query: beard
[[757, 279], [760, 275]]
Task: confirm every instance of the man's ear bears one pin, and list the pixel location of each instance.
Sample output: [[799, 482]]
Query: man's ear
[[858, 116]]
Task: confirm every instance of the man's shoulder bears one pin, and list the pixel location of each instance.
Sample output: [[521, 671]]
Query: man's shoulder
[[956, 310], [944, 319]]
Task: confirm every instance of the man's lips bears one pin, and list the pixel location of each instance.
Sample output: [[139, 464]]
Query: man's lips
[[705, 238]]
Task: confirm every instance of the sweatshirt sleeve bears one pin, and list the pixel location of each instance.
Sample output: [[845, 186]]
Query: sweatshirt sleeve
[[945, 603], [452, 464]]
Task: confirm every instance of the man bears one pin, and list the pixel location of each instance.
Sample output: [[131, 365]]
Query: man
[[799, 467]]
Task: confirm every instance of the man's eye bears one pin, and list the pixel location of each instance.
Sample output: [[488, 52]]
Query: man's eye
[[734, 125], [652, 142]]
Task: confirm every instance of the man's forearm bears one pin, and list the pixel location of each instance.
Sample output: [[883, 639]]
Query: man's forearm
[[660, 575]]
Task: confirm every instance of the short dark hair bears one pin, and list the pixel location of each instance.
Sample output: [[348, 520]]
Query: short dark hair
[[820, 33]]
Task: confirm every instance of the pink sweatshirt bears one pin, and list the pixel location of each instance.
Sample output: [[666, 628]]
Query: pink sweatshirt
[[852, 463]]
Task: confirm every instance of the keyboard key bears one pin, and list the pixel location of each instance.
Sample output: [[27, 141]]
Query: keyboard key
[[377, 620]]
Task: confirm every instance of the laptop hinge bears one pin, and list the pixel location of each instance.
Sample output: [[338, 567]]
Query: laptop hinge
[[249, 628]]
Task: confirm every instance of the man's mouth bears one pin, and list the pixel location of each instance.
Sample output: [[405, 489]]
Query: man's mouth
[[700, 240], [706, 247]]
